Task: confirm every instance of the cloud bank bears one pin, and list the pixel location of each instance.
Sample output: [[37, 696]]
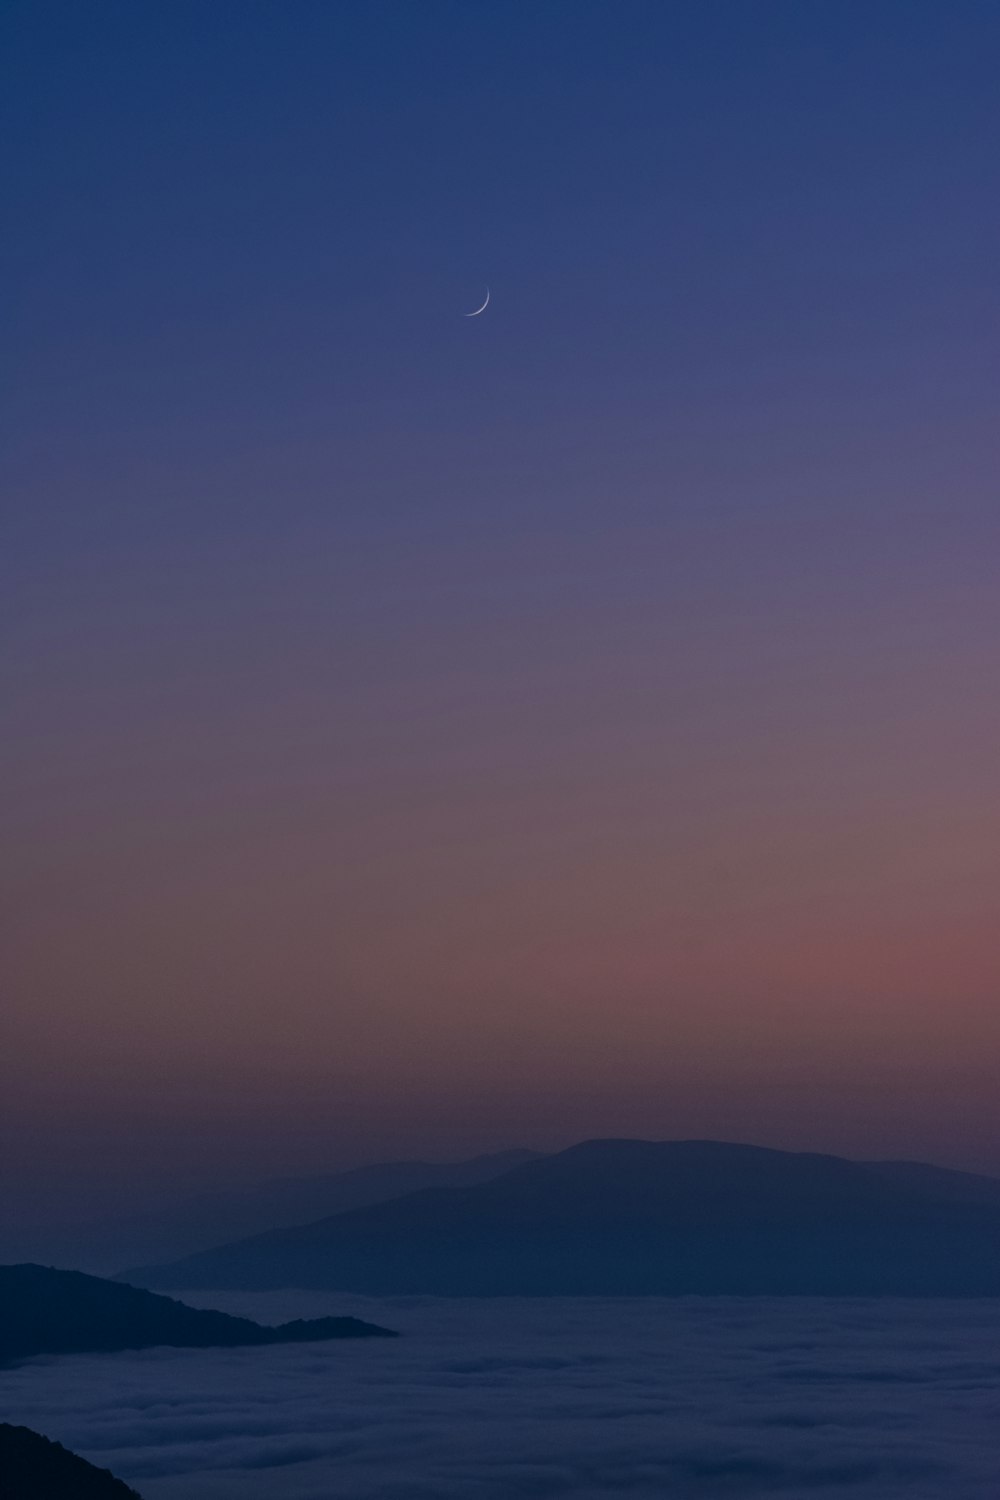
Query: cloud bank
[[570, 1399]]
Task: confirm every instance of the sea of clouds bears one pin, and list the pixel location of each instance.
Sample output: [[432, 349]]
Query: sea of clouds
[[526, 1399]]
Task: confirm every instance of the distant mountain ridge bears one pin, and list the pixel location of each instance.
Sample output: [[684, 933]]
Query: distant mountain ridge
[[105, 1245], [45, 1311], [618, 1217]]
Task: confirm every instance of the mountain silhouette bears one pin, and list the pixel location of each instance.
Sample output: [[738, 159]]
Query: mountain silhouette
[[44, 1311], [33, 1467], [103, 1246], [615, 1217]]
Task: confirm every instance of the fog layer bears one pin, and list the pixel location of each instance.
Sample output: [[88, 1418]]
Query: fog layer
[[507, 1399]]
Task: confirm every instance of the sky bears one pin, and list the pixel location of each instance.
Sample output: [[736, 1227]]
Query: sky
[[429, 734]]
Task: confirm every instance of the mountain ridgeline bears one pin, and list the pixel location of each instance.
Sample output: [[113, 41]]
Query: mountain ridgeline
[[33, 1467], [44, 1311], [102, 1246], [619, 1217]]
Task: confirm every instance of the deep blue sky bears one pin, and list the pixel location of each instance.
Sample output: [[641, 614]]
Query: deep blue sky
[[533, 719], [241, 228]]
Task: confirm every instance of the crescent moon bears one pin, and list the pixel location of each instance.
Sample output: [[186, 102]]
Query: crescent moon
[[480, 309]]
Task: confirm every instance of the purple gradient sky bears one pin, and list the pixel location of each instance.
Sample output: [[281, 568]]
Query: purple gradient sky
[[430, 735]]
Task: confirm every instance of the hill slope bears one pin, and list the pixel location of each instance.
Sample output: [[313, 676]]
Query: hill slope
[[103, 1246], [619, 1217], [43, 1311], [34, 1468]]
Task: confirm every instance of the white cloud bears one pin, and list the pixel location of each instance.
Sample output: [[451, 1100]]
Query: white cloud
[[548, 1400]]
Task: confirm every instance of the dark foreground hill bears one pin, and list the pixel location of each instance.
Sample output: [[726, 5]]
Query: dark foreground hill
[[43, 1311], [624, 1217], [32, 1467], [105, 1245]]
